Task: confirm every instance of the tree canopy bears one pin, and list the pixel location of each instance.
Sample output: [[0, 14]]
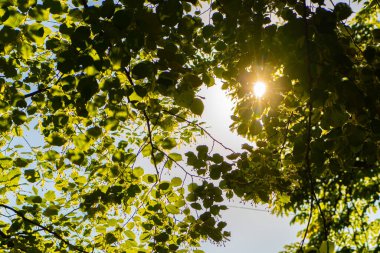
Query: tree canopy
[[103, 84]]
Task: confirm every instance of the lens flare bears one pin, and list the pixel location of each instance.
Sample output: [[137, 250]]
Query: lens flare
[[259, 89]]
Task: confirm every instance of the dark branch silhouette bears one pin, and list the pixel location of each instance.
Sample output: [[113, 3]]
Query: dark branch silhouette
[[35, 93], [50, 231], [43, 89]]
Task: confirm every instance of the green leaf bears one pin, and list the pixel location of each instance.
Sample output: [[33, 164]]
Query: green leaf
[[37, 33], [215, 172], [172, 209], [53, 43], [23, 5], [255, 127], [162, 237], [107, 9], [101, 229], [143, 69], [176, 181], [149, 178], [164, 186], [217, 158], [196, 206], [192, 187], [168, 143], [327, 247], [56, 139], [31, 175], [202, 151], [51, 211], [311, 250], [208, 31], [192, 80], [5, 123], [342, 11], [80, 36], [8, 34], [176, 157], [19, 117], [233, 156], [133, 190], [15, 18], [197, 106], [87, 87], [26, 51], [138, 172], [55, 6], [110, 238], [95, 132], [75, 156], [21, 162], [34, 199], [184, 97], [50, 195], [170, 12], [81, 180], [130, 234], [39, 13], [122, 18]]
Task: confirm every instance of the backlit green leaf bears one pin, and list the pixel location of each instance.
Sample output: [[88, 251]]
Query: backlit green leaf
[[197, 106]]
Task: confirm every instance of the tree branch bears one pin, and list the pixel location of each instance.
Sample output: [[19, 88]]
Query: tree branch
[[151, 143], [43, 89], [308, 224], [35, 93], [127, 73], [55, 234]]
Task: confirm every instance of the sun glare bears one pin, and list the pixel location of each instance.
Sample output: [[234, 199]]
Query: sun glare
[[259, 89]]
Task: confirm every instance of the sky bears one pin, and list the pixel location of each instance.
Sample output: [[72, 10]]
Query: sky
[[251, 230]]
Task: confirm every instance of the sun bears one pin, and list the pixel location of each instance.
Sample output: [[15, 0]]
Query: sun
[[259, 89]]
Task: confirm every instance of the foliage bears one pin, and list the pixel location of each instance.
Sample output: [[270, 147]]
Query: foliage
[[109, 84]]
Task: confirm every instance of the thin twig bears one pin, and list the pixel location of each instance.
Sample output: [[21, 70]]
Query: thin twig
[[249, 208], [308, 224], [200, 127]]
